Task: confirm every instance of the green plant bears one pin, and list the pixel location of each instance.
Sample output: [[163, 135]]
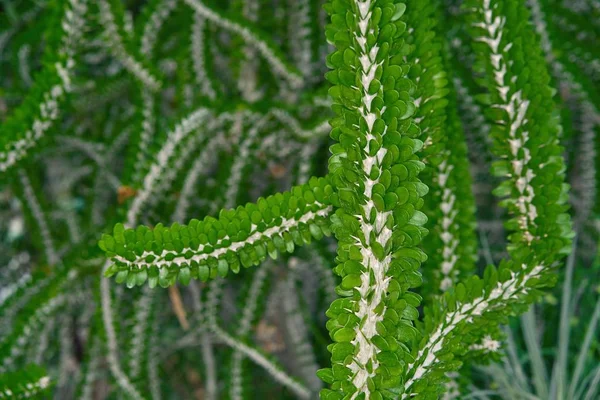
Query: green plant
[[164, 110], [524, 373]]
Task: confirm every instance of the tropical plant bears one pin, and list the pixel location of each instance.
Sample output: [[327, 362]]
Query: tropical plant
[[117, 115], [523, 374]]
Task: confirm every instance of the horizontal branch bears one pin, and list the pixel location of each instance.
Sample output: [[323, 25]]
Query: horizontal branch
[[211, 247]]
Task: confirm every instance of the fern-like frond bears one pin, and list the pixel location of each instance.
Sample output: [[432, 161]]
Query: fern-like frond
[[37, 114], [211, 247], [526, 138], [262, 45], [379, 225]]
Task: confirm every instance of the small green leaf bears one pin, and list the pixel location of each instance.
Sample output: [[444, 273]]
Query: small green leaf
[[315, 231], [152, 281], [234, 265], [131, 279], [418, 218], [344, 335], [121, 276], [223, 267], [184, 276], [351, 281], [422, 188], [379, 202], [203, 272], [110, 271], [390, 199], [403, 195], [378, 250], [119, 233], [141, 277], [326, 375]]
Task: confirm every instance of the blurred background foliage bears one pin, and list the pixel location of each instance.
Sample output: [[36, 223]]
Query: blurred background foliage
[[79, 179]]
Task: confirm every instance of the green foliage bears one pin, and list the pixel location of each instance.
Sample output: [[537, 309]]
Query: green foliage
[[209, 248], [30, 382], [576, 377], [375, 171], [167, 143], [29, 123]]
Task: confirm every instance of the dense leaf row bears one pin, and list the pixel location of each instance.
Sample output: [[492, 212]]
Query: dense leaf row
[[211, 247], [449, 205], [374, 169]]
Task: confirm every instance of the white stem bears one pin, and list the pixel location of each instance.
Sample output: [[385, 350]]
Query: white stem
[[146, 135], [200, 166], [117, 47], [285, 226], [516, 108], [32, 326], [24, 67], [152, 27], [166, 153], [33, 204], [263, 48], [143, 307], [199, 62], [280, 376], [499, 297], [111, 339], [91, 374], [376, 289], [298, 332], [244, 327], [242, 159], [319, 131], [446, 225], [152, 362]]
